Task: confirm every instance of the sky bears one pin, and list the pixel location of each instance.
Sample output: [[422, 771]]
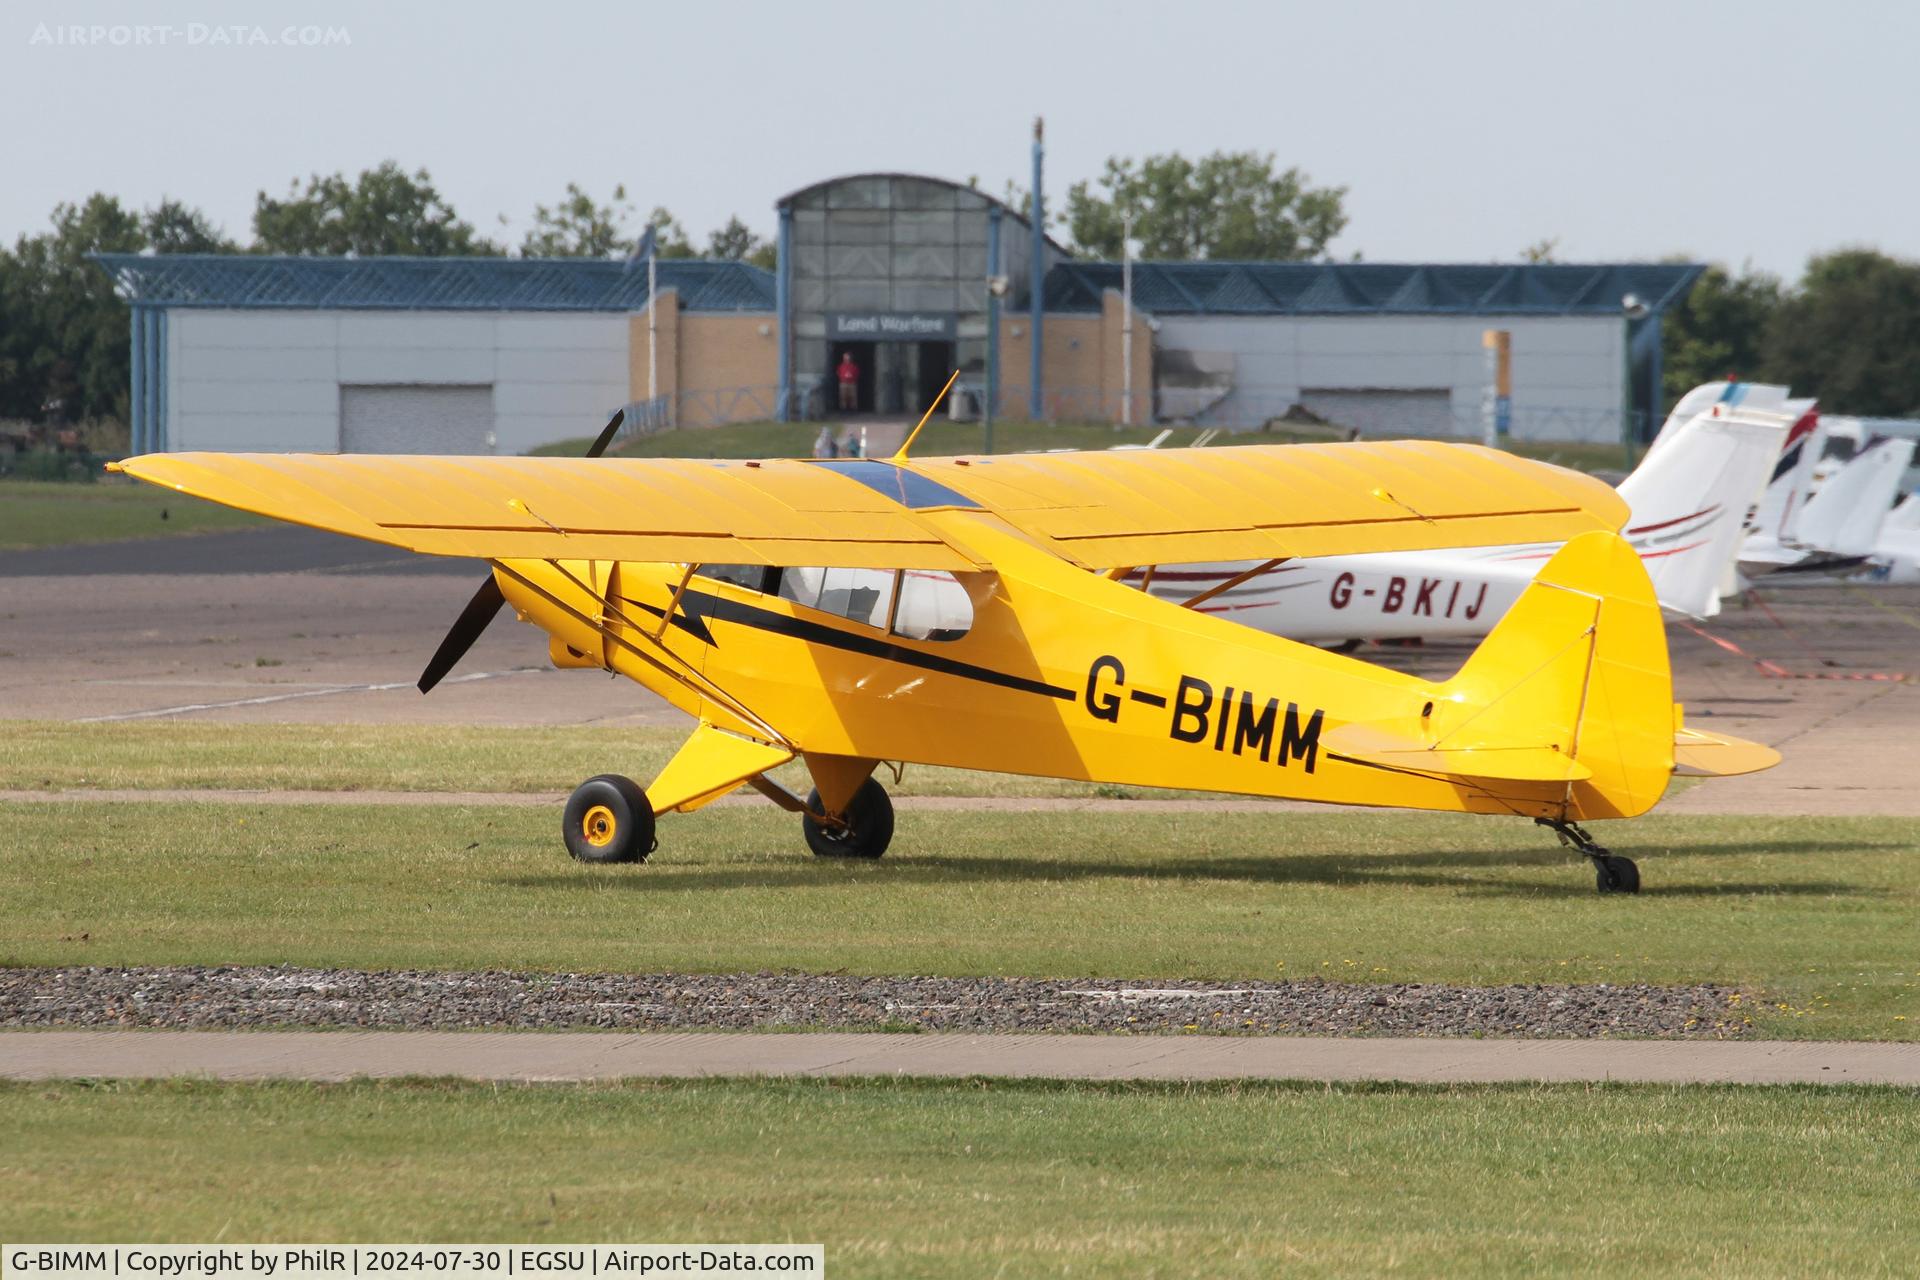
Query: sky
[[1755, 133]]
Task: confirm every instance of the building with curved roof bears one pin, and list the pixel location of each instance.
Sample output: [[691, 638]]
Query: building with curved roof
[[902, 278]]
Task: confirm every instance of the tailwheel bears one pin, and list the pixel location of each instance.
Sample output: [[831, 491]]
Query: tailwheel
[[1615, 874], [1612, 872], [608, 819], [862, 831]]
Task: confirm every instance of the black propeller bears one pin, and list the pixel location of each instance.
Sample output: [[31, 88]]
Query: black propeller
[[487, 600]]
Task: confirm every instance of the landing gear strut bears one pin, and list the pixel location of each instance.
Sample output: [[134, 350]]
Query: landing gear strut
[[1612, 872]]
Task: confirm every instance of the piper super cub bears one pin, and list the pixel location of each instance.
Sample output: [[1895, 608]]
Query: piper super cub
[[974, 613]]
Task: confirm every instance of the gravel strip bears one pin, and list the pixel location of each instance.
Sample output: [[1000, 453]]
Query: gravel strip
[[184, 998]]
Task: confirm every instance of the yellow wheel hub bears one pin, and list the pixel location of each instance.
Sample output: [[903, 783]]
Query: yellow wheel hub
[[599, 826]]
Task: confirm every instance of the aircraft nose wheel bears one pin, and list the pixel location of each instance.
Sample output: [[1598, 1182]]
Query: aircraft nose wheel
[[1612, 872], [608, 819], [863, 831]]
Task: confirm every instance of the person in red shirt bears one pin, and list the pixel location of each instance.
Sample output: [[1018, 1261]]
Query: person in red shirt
[[849, 374]]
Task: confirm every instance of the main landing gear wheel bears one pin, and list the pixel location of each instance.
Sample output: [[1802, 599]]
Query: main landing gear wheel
[[1612, 872], [863, 831], [608, 819]]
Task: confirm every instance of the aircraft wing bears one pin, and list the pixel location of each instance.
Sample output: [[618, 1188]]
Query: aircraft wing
[[1102, 509], [1258, 502], [781, 511]]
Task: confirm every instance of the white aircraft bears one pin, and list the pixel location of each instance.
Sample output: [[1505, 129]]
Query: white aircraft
[[1896, 556], [1841, 529], [1689, 496]]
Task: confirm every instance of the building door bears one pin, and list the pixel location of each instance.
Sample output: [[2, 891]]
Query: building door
[[416, 419], [936, 366], [864, 358]]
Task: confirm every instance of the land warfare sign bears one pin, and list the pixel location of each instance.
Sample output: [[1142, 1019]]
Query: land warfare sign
[[891, 326]]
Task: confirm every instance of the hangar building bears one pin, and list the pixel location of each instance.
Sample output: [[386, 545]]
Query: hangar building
[[913, 277]]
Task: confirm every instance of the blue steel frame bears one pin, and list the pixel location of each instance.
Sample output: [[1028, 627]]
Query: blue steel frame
[[1372, 288], [783, 304], [1037, 265], [147, 401], [992, 403], [255, 281]]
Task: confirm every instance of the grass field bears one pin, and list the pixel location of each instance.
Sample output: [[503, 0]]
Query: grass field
[[976, 1178], [59, 755], [48, 514], [1815, 918]]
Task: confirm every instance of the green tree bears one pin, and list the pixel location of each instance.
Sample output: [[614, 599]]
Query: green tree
[[1849, 334], [384, 211], [1541, 252], [736, 242], [63, 332], [669, 237], [172, 227], [1228, 205], [1717, 330], [579, 228]]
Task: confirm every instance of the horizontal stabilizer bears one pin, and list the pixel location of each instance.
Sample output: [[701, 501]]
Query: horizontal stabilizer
[[1698, 754], [1394, 748]]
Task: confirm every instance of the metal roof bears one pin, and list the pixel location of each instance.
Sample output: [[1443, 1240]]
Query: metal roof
[[1372, 288], [793, 197], [258, 281]]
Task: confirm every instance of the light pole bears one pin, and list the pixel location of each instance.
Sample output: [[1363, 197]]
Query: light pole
[[1632, 308], [1126, 320]]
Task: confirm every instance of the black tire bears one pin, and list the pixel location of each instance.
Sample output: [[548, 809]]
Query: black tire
[[608, 819], [1615, 874], [868, 830]]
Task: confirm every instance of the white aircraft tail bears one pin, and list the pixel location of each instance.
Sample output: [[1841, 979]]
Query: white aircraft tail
[[1746, 397], [1690, 498], [1906, 516], [1786, 493], [1845, 517]]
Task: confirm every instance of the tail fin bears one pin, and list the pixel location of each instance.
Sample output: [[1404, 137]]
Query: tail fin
[[1785, 494], [1571, 693], [1578, 665], [1844, 518], [1690, 498], [1730, 396]]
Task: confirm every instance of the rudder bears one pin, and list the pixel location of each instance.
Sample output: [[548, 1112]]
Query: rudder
[[1578, 666]]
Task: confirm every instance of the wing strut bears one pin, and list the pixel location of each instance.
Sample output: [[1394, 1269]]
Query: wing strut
[[486, 602], [1194, 602]]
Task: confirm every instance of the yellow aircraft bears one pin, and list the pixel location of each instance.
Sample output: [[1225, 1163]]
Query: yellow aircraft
[[972, 612]]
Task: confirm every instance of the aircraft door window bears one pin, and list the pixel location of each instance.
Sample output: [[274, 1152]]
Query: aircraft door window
[[751, 576], [858, 595], [801, 585], [933, 606]]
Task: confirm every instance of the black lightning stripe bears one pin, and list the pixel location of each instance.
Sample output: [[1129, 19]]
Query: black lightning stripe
[[700, 607]]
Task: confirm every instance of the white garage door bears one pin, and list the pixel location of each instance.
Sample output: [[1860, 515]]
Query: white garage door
[[416, 419]]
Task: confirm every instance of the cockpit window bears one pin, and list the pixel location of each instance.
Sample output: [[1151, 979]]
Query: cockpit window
[[933, 606], [751, 576], [858, 595]]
